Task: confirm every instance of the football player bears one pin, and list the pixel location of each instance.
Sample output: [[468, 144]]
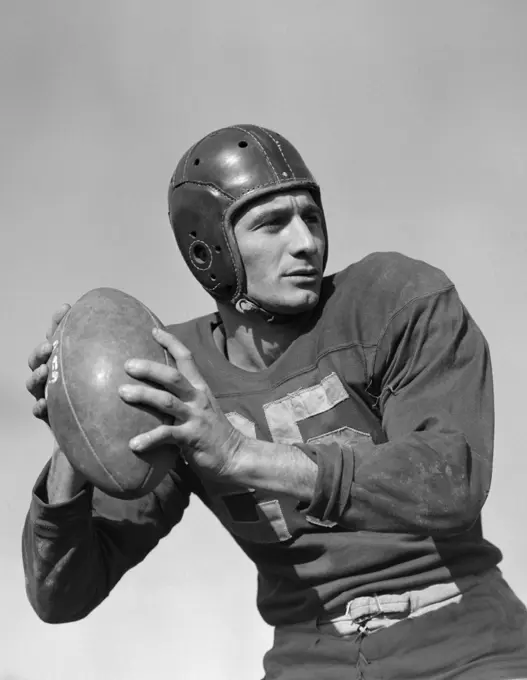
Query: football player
[[340, 427]]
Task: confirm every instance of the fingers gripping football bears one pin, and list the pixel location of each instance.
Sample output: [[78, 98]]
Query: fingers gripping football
[[200, 429], [169, 400], [56, 318], [36, 386], [37, 362]]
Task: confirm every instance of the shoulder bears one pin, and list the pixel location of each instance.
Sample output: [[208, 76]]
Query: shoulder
[[368, 293], [392, 277]]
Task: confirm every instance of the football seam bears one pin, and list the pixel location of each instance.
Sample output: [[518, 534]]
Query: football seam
[[81, 430]]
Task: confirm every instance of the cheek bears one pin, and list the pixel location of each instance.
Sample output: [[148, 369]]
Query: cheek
[[321, 242], [261, 269]]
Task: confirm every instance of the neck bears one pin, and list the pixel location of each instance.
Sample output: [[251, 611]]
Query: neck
[[251, 343]]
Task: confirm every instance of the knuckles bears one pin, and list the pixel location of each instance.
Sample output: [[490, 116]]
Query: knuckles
[[40, 409], [37, 379], [39, 355], [166, 432], [44, 350], [175, 376], [178, 350], [30, 383], [167, 401], [58, 315]]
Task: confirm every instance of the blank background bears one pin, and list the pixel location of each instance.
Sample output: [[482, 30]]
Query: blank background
[[411, 114]]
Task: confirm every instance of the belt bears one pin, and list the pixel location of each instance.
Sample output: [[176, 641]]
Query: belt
[[368, 613]]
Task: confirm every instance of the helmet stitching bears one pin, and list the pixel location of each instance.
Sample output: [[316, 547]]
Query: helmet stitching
[[206, 184], [284, 183], [187, 159], [189, 153], [201, 269], [231, 253], [260, 146], [279, 149]]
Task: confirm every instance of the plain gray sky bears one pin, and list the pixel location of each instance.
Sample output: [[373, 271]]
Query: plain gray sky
[[412, 115]]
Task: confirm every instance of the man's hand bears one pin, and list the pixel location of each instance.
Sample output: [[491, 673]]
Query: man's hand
[[63, 481], [38, 359], [205, 437]]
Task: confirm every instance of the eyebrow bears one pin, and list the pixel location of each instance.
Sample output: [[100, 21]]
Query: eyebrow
[[274, 213]]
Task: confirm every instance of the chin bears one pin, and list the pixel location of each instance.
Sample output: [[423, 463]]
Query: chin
[[298, 304]]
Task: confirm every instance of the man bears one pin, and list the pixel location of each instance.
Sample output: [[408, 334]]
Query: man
[[341, 429]]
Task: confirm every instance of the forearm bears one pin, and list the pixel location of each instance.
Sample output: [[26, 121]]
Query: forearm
[[76, 551], [277, 468], [65, 578], [428, 486], [58, 531]]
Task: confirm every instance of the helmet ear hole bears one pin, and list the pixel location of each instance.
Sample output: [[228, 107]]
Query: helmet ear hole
[[242, 144], [200, 254]]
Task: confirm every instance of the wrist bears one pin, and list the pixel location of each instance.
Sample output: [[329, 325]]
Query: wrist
[[279, 468], [64, 482], [236, 463]]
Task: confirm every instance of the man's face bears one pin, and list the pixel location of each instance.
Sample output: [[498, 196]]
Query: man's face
[[281, 242]]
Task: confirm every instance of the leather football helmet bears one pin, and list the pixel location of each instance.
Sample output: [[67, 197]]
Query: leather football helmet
[[217, 176]]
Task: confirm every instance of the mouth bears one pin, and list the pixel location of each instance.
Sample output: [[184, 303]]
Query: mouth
[[304, 273]]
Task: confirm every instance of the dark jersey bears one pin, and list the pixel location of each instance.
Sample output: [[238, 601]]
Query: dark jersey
[[389, 390]]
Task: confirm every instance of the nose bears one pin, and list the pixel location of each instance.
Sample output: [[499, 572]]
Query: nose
[[302, 238]]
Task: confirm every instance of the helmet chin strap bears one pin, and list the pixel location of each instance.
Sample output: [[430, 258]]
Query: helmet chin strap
[[245, 305]]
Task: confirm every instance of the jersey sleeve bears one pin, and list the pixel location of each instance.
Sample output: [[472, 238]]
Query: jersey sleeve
[[431, 374], [74, 553]]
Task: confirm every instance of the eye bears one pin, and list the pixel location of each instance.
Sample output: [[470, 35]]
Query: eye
[[272, 225], [266, 223], [313, 218]]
